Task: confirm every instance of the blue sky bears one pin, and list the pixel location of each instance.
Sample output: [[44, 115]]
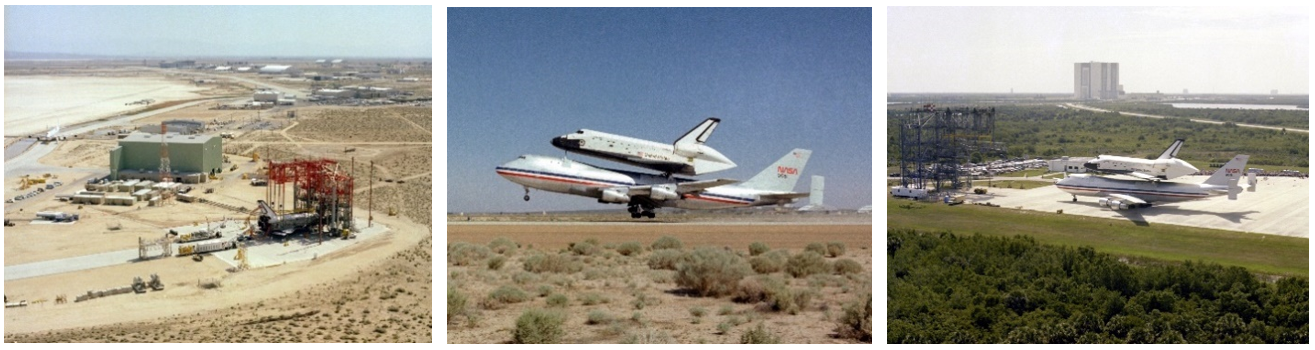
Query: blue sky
[[195, 31], [779, 79]]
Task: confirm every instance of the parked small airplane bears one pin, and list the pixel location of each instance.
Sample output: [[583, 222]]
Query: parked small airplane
[[1121, 194], [1166, 167], [642, 193], [52, 135], [687, 156]]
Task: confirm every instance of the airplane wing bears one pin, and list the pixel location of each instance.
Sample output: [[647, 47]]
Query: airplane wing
[[781, 196], [1128, 199], [695, 186], [679, 188]]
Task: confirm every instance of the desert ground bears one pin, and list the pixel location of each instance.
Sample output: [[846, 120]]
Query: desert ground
[[622, 290], [376, 289]]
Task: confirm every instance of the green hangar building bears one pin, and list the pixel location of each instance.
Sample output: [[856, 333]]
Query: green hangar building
[[192, 158]]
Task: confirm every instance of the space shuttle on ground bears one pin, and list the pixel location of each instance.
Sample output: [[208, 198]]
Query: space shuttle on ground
[[1166, 167], [688, 155]]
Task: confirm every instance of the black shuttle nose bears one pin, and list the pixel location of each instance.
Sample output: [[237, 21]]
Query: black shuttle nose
[[1090, 165], [565, 143]]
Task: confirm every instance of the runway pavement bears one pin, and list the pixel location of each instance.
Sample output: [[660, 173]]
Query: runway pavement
[[1280, 206], [85, 262]]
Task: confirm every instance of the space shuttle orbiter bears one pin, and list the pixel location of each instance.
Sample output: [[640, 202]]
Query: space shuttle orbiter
[[688, 155]]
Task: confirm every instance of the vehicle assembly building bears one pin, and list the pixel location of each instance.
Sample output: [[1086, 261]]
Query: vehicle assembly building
[[191, 157]]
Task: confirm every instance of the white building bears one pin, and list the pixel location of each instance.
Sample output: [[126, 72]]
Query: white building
[[265, 95], [277, 69], [1069, 164], [1096, 81]]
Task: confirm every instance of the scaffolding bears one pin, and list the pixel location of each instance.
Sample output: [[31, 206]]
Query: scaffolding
[[935, 144], [318, 187]]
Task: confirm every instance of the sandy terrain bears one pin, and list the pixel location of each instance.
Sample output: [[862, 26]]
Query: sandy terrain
[[326, 301], [621, 280], [35, 104]]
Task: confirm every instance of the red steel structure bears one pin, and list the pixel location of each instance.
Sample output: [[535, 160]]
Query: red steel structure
[[318, 186]]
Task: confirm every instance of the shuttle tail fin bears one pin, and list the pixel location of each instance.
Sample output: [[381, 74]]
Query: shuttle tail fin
[[1172, 151], [1230, 173], [699, 134], [782, 175]]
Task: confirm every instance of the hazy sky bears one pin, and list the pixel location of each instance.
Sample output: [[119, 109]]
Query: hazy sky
[[320, 31], [1033, 49], [778, 78]]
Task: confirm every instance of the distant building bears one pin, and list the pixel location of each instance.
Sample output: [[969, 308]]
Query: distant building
[[1096, 81], [1069, 164], [276, 69], [191, 157], [177, 64], [265, 95], [178, 126]]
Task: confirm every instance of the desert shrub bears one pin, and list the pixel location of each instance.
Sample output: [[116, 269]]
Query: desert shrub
[[592, 240], [815, 247], [584, 248], [538, 326], [727, 309], [771, 262], [642, 300], [524, 277], [555, 263], [456, 303], [661, 276], [806, 263], [757, 248], [496, 262], [648, 336], [593, 274], [750, 290], [856, 323], [759, 335], [597, 317], [698, 311], [465, 254], [711, 271], [723, 327], [509, 295], [665, 259], [666, 242], [558, 300], [847, 266], [502, 245], [834, 249], [784, 299], [545, 290], [592, 299], [630, 248]]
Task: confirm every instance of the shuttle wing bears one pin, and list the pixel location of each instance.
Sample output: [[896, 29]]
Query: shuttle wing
[[1127, 198], [1143, 176], [1172, 151]]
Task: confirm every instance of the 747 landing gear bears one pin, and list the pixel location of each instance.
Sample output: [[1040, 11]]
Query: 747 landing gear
[[527, 194], [637, 211]]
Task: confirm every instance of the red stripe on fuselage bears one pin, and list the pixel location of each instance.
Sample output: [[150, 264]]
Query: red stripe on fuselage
[[541, 177]]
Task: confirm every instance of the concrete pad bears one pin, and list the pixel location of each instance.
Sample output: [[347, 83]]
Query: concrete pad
[[1280, 206], [267, 252], [85, 262]]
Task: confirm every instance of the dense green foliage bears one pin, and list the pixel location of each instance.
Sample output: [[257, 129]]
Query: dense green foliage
[[944, 288], [1048, 131], [1271, 117]]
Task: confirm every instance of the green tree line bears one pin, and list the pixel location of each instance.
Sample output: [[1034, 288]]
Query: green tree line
[[1272, 117], [946, 288], [1048, 131]]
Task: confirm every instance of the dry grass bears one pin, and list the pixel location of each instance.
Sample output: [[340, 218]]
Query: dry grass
[[362, 125], [610, 297]]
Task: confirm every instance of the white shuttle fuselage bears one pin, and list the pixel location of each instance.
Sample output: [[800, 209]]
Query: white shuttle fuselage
[[1165, 167], [688, 155]]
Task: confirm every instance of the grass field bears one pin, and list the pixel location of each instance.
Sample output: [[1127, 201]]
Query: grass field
[[1260, 253]]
